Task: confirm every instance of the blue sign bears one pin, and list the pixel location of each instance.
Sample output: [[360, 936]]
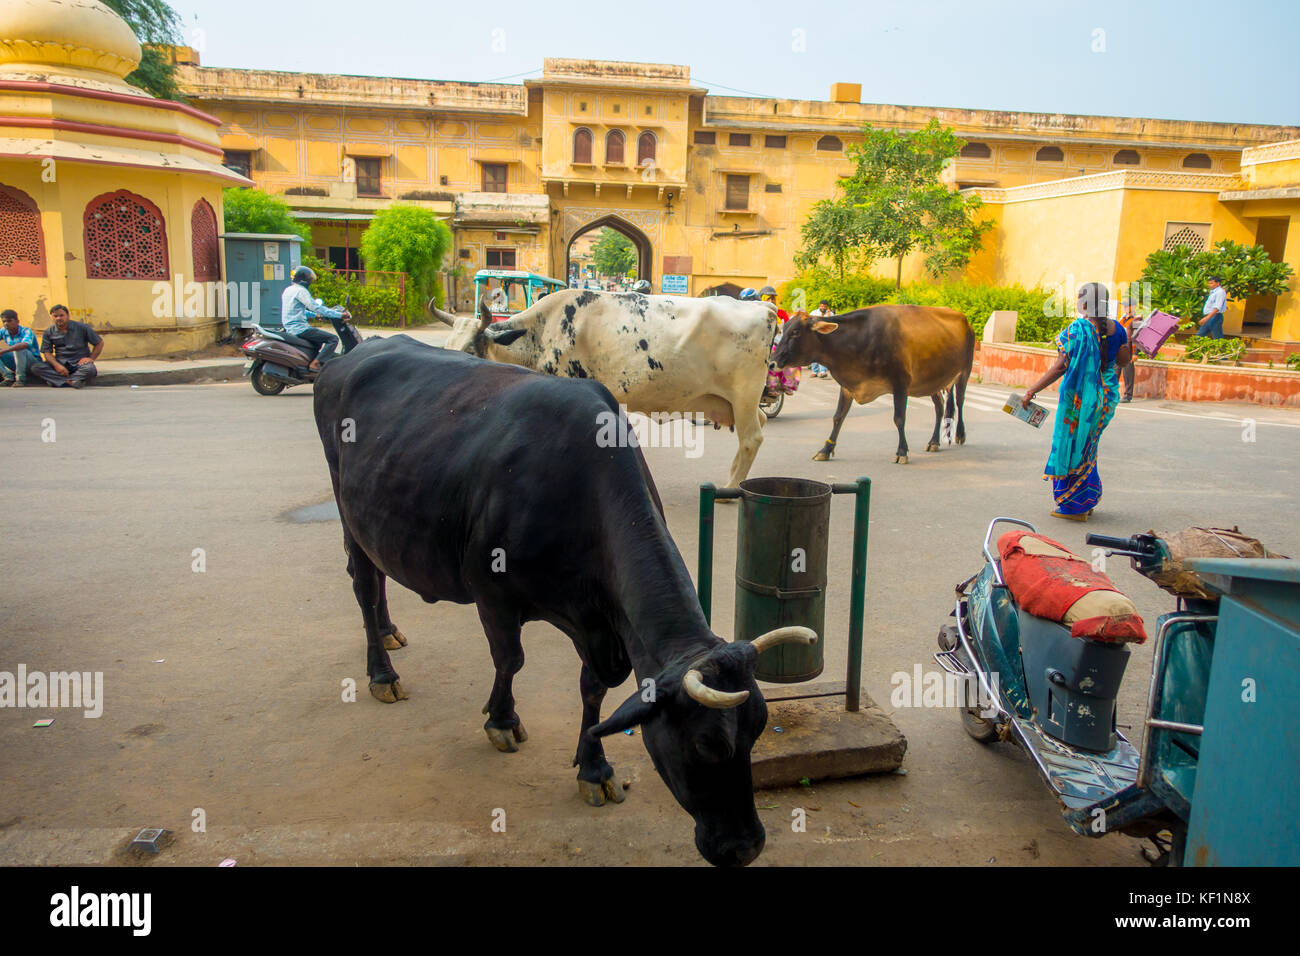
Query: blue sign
[[677, 285]]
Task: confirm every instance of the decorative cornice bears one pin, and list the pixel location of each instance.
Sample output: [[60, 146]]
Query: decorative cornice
[[1115, 179], [1271, 153], [13, 51]]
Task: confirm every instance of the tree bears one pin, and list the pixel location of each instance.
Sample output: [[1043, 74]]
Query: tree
[[410, 239], [613, 253], [156, 25], [251, 210], [835, 231], [1178, 277], [904, 204]]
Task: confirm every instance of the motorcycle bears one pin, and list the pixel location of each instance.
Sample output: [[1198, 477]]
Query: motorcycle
[[780, 383], [1054, 695], [277, 359]]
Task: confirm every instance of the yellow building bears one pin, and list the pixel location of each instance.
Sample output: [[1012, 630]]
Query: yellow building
[[108, 196], [713, 190]]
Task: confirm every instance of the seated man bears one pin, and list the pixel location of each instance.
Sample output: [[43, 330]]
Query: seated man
[[66, 351], [18, 351]]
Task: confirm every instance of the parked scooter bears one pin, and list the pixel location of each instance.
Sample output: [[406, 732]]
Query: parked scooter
[[1054, 695], [278, 359]]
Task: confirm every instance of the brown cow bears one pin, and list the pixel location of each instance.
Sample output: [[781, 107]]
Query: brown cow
[[897, 350]]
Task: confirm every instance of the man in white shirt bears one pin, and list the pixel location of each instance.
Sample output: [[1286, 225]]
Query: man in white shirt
[[823, 309], [1212, 312]]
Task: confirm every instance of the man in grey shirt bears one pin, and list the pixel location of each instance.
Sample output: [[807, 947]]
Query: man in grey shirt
[[66, 351]]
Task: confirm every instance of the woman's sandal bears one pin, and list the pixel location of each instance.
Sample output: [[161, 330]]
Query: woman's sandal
[[1058, 514]]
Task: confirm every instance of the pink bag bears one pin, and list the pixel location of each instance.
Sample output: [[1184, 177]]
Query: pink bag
[[1155, 332]]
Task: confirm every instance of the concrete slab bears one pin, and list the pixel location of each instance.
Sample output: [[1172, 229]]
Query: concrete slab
[[820, 740]]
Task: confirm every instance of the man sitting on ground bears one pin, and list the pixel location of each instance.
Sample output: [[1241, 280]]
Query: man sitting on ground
[[18, 350], [66, 352]]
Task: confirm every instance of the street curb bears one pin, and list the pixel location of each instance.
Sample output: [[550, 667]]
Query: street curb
[[233, 371]]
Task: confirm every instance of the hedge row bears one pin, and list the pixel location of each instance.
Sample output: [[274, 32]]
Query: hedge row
[[1036, 323]]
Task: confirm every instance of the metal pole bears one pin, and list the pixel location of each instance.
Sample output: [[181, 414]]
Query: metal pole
[[704, 583], [858, 598]]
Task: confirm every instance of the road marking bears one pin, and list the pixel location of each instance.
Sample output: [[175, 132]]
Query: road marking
[[1204, 416]]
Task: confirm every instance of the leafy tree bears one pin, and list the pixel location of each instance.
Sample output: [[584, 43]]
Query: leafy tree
[[251, 210], [836, 231], [613, 253], [156, 25], [904, 204], [1179, 278], [410, 239]]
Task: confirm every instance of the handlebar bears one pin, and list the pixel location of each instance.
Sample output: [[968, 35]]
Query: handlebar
[[1138, 546]]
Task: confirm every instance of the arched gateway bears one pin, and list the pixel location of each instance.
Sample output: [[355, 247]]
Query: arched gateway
[[642, 227]]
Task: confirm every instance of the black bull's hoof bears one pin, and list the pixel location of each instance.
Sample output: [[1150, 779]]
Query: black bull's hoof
[[388, 693]]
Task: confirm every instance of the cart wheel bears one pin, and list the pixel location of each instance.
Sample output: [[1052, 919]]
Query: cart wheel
[[980, 728], [772, 407], [264, 384]]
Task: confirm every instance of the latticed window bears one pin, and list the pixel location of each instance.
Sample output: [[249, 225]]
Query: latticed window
[[976, 151], [1196, 161], [830, 143], [22, 244], [1126, 157], [1194, 235], [126, 238], [1050, 154], [204, 243]]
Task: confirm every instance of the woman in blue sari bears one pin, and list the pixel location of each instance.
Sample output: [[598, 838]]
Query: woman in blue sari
[[1091, 350]]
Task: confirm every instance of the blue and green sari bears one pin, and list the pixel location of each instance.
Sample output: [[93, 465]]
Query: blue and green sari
[[1088, 396]]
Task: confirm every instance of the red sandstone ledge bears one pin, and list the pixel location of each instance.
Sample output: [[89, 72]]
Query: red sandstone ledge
[[1008, 364]]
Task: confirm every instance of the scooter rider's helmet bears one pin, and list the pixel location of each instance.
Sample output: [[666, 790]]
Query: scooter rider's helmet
[[767, 290], [748, 295], [642, 286], [303, 276]]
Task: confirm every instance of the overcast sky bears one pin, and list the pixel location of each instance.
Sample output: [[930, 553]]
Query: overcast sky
[[1176, 59]]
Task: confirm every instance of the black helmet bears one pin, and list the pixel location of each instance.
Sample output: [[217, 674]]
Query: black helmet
[[303, 276], [641, 285], [747, 294], [767, 290]]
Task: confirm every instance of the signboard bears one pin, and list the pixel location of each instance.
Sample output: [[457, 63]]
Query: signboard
[[675, 284], [271, 251]]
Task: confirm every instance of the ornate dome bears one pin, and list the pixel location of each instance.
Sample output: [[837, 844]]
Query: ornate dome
[[65, 35]]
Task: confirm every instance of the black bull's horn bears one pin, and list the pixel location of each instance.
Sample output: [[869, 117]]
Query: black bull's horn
[[699, 691]]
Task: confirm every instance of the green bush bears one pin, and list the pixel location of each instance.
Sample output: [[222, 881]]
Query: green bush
[[370, 304], [975, 301], [1205, 350], [854, 291], [410, 239], [251, 210]]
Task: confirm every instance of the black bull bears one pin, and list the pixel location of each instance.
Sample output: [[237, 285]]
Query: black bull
[[471, 481], [896, 350]]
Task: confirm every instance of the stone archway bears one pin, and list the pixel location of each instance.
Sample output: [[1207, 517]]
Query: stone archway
[[613, 220]]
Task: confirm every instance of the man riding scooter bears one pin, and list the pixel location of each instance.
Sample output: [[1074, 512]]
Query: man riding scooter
[[297, 305]]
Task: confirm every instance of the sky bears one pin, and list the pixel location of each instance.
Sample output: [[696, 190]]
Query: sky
[[1188, 60]]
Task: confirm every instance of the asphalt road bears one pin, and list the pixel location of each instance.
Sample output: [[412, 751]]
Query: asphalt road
[[223, 688]]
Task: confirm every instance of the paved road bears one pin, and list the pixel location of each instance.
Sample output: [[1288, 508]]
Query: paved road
[[223, 689]]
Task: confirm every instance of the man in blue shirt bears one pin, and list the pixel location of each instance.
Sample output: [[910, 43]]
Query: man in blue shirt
[[297, 306], [18, 349], [1212, 313]]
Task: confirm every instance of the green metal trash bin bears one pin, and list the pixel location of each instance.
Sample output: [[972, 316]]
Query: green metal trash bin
[[781, 552]]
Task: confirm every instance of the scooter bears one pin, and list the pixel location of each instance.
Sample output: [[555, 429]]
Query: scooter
[[780, 383], [1028, 680], [278, 359]]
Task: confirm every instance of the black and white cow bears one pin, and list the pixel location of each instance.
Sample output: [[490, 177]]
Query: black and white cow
[[499, 492], [655, 353]]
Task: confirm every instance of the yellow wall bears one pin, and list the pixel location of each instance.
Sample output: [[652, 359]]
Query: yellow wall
[[113, 307]]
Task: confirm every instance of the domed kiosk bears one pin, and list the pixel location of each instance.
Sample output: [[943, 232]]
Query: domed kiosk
[[110, 199]]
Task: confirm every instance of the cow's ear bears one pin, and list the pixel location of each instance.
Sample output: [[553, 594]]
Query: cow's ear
[[500, 336], [825, 328], [631, 712]]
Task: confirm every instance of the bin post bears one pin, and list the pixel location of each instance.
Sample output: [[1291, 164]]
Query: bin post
[[704, 573], [861, 490]]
